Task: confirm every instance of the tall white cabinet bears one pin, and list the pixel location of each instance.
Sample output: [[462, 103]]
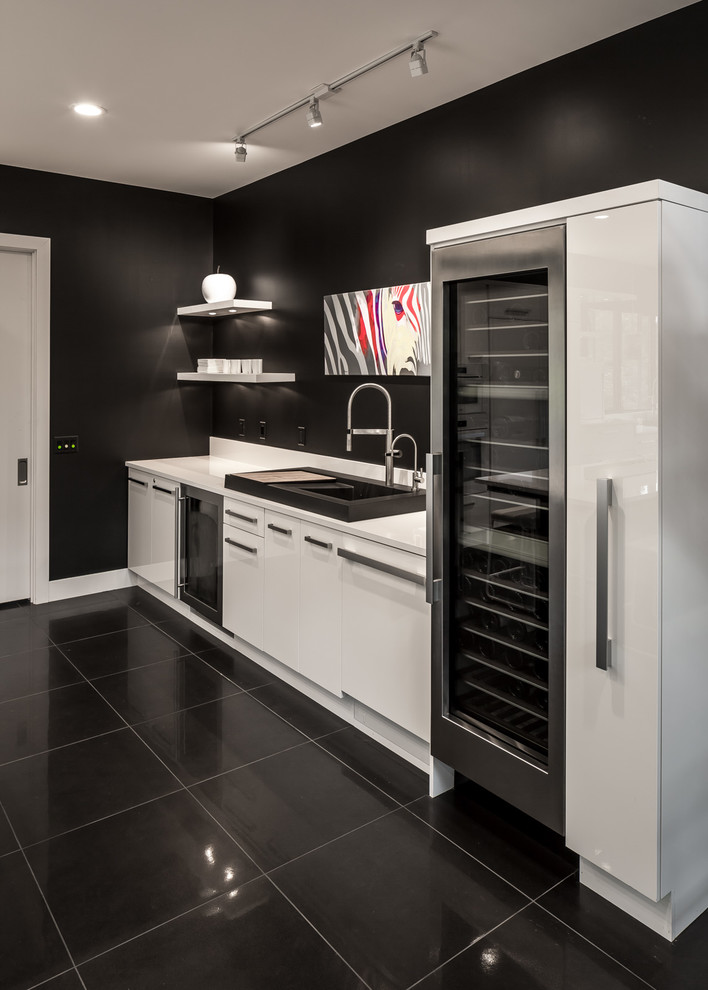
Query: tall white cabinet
[[636, 775], [637, 738]]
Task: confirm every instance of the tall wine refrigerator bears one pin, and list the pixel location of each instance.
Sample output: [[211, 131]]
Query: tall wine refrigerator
[[498, 513]]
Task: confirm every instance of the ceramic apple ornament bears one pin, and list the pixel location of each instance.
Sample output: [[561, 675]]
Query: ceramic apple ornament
[[218, 287]]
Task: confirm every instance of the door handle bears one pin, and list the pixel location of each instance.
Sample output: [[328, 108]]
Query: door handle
[[317, 543], [22, 471], [433, 507], [603, 644], [279, 529], [381, 565]]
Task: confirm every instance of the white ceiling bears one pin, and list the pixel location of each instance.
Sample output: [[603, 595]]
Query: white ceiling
[[181, 78]]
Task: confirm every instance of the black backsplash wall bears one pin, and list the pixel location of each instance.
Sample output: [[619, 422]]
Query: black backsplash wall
[[122, 260], [622, 111]]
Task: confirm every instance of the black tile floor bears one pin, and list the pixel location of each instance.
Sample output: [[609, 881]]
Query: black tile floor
[[175, 816]]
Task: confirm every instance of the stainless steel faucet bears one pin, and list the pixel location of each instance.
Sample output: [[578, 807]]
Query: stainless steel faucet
[[388, 432], [417, 475]]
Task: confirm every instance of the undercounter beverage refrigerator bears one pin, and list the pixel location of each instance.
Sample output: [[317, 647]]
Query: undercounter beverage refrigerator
[[568, 548]]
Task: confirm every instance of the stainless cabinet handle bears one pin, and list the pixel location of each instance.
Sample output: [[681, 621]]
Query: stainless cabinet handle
[[237, 515], [380, 565], [137, 481], [156, 488], [433, 467], [317, 543], [279, 529], [603, 644], [22, 475], [241, 546]]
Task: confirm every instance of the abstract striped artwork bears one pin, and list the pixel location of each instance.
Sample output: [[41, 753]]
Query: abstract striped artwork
[[378, 331]]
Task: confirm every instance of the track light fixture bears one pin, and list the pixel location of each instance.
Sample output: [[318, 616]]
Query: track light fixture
[[416, 63], [314, 117]]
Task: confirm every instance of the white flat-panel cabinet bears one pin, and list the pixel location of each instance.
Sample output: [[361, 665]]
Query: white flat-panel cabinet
[[163, 537], [139, 526], [320, 607], [152, 529], [386, 632], [281, 604], [637, 732], [243, 570]]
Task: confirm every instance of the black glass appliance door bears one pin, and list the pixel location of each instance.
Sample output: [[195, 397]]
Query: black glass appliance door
[[498, 400], [201, 560]]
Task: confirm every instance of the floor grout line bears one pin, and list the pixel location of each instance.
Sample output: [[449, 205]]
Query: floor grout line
[[474, 941], [599, 948], [46, 902], [317, 931], [329, 842], [169, 921]]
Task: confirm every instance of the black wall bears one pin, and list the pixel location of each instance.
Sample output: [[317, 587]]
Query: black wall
[[122, 260], [627, 109]]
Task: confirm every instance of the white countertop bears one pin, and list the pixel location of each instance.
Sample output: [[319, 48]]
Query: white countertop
[[406, 532]]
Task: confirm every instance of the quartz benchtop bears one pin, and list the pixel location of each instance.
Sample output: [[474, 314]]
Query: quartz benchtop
[[405, 532]]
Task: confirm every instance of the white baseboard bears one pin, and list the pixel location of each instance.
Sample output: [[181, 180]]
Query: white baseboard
[[89, 584]]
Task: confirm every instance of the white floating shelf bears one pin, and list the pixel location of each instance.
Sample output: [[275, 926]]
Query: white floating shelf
[[264, 376], [227, 307]]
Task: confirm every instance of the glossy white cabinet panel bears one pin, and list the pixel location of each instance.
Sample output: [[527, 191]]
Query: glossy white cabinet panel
[[244, 559], [139, 526], [386, 634], [163, 536], [281, 605], [612, 795], [684, 555], [321, 607]]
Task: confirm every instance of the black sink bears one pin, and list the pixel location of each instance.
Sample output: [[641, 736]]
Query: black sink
[[338, 496]]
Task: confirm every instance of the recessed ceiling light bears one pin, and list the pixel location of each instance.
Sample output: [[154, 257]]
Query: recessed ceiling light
[[88, 109]]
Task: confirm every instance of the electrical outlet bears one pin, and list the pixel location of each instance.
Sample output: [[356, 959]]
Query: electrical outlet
[[65, 445], [262, 429], [301, 436], [242, 427]]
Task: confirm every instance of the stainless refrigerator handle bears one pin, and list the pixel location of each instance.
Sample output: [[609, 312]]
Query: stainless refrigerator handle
[[433, 469], [380, 565], [603, 644]]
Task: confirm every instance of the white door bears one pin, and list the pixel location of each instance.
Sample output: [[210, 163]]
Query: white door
[[15, 414]]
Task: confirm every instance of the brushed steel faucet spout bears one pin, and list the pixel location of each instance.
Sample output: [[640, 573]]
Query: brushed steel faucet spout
[[387, 432], [417, 475]]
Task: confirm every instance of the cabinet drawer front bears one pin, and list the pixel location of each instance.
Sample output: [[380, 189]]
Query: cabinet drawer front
[[242, 515], [244, 560]]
